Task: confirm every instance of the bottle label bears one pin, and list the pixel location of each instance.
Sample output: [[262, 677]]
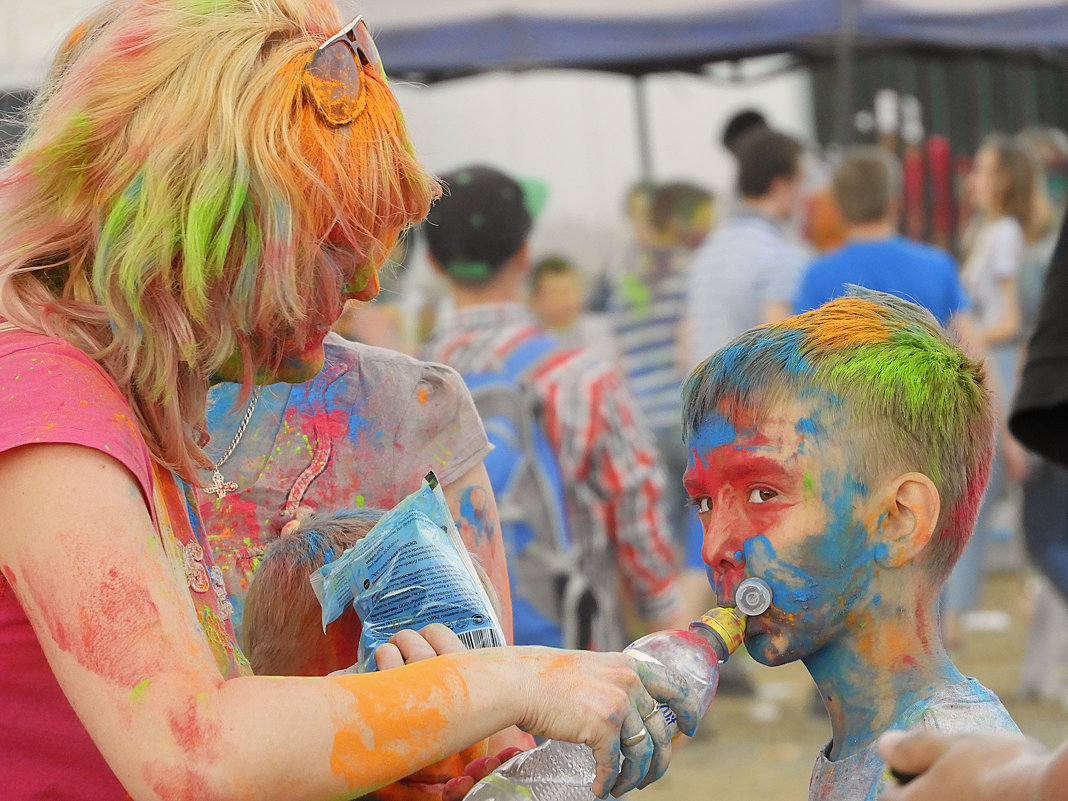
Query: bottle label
[[728, 624]]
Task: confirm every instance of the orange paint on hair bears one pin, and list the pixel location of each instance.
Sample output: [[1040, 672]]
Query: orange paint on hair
[[848, 322]]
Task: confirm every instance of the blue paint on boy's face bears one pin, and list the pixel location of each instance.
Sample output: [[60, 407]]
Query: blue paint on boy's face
[[778, 500], [818, 581], [715, 430]]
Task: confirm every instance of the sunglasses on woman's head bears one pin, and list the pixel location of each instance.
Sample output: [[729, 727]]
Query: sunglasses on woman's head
[[334, 76]]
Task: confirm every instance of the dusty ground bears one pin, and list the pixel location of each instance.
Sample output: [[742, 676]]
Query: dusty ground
[[761, 748]]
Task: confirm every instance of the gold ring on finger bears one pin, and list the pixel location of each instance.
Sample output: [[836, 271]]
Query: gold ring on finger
[[634, 739]]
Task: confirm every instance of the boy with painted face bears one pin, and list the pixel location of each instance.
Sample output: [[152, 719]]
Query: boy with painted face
[[841, 455]]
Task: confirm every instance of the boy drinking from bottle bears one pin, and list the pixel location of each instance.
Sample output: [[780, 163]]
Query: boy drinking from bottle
[[841, 455]]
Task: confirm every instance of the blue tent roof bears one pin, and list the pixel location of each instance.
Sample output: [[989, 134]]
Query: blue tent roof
[[637, 37], [1021, 25], [516, 40]]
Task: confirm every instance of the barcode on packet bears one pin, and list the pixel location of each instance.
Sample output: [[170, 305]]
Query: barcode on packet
[[480, 638]]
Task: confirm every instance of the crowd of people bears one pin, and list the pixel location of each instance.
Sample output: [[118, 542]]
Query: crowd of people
[[199, 410], [698, 270]]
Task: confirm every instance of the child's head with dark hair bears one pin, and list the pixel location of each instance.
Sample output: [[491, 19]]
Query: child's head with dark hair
[[547, 266], [840, 454]]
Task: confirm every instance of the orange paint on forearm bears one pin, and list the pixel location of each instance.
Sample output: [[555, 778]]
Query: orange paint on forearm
[[387, 745]]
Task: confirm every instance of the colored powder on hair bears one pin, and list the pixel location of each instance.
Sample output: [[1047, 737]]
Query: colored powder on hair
[[71, 152], [850, 323], [134, 40], [204, 7], [214, 212]]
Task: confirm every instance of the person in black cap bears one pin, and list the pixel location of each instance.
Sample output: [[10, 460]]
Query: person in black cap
[[603, 465]]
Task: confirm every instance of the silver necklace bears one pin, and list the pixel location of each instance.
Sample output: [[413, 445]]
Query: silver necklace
[[219, 486]]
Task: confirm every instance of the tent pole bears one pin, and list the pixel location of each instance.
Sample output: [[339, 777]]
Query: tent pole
[[645, 144], [845, 62]]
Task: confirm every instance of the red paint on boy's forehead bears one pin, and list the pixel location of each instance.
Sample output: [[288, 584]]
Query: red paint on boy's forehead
[[745, 459]]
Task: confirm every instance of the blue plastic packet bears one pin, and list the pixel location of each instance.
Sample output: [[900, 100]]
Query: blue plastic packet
[[412, 569]]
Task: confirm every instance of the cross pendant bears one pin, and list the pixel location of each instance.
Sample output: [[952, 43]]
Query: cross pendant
[[219, 486]]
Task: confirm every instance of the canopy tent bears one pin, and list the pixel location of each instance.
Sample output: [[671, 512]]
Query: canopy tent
[[625, 36], [439, 40]]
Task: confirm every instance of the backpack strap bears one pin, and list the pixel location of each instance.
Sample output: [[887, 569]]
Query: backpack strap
[[527, 355]]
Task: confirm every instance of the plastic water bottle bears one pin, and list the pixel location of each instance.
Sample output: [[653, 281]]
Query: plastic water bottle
[[561, 771]]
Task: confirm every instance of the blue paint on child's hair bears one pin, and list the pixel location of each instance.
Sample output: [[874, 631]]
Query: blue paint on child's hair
[[313, 547], [761, 351], [745, 369], [807, 427]]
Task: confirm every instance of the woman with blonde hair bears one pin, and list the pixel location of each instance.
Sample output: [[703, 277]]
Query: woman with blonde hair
[[202, 186]]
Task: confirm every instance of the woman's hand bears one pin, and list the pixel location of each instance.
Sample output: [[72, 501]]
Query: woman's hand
[[605, 700]]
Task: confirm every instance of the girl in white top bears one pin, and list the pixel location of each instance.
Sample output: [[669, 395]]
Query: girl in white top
[[1003, 182]]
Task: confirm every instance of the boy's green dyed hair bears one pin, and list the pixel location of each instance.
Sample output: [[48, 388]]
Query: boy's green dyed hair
[[915, 400]]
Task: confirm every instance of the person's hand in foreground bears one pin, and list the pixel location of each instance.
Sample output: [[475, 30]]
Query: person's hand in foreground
[[476, 770], [980, 766], [643, 762]]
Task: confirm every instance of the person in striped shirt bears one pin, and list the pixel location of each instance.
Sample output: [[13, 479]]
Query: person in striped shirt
[[646, 306], [613, 483]]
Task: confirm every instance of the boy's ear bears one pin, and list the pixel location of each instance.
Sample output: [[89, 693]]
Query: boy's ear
[[909, 518]]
